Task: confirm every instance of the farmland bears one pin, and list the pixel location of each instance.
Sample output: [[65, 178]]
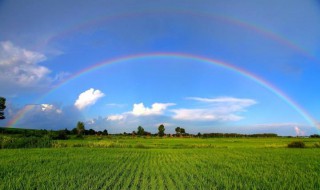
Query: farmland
[[168, 163]]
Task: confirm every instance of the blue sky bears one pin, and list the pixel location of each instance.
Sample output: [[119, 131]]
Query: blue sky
[[44, 44]]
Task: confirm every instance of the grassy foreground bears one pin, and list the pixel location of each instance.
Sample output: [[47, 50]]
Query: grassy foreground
[[164, 164]]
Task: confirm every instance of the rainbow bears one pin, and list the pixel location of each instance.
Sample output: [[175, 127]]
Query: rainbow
[[268, 34], [146, 56], [20, 115]]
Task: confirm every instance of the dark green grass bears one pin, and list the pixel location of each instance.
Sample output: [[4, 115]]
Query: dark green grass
[[226, 164]]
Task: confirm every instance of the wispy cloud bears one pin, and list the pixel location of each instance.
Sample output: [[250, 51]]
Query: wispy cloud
[[217, 109], [116, 117], [225, 100], [88, 98], [209, 114], [277, 125], [115, 105]]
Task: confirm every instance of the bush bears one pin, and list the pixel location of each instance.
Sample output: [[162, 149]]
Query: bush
[[25, 142], [296, 144], [79, 136], [315, 136], [140, 145], [317, 145]]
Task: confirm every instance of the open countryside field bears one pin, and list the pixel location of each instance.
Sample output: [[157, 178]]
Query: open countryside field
[[168, 163]]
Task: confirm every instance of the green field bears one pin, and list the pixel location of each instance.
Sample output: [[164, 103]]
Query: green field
[[168, 163]]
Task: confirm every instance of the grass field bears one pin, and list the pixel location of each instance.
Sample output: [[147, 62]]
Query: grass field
[[170, 163]]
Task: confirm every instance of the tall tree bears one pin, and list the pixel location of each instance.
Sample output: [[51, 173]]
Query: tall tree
[[2, 107], [140, 131], [80, 127], [105, 132], [182, 131], [178, 130], [161, 130]]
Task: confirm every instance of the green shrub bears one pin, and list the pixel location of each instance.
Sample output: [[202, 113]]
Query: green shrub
[[25, 142], [140, 145], [296, 144], [317, 145]]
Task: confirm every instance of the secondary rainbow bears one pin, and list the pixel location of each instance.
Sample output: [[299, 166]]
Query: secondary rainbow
[[266, 33], [197, 58]]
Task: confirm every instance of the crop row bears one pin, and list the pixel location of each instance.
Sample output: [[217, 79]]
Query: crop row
[[120, 168]]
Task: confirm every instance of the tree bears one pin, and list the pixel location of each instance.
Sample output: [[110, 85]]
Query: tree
[[2, 107], [140, 131], [91, 132], [161, 130], [178, 131], [62, 135], [182, 131], [80, 127], [67, 131], [74, 131], [105, 132]]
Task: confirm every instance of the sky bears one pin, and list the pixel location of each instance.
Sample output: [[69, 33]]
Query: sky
[[206, 66]]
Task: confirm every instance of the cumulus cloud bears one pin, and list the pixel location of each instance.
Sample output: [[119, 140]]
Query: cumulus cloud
[[21, 67], [217, 109], [141, 110], [156, 109], [50, 107], [140, 115], [88, 98]]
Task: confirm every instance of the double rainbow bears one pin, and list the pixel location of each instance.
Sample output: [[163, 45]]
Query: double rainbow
[[147, 56]]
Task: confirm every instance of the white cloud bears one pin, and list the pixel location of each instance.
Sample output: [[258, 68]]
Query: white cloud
[[226, 100], [88, 98], [217, 109], [19, 66], [156, 109], [277, 125], [50, 107], [204, 115], [115, 105], [115, 117]]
